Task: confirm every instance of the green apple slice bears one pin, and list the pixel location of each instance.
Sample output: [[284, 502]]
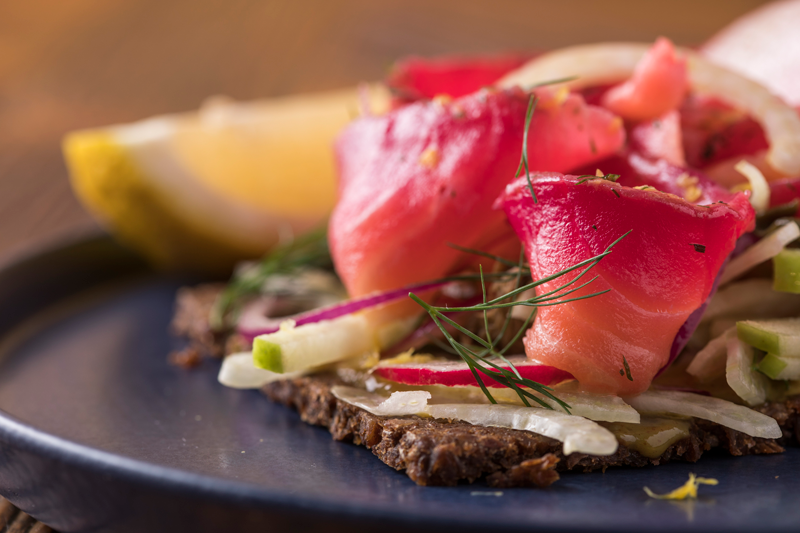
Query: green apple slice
[[299, 348], [779, 336]]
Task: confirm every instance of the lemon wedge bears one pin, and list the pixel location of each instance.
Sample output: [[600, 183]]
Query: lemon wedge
[[200, 191]]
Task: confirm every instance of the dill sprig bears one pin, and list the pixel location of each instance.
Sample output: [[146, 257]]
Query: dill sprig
[[308, 250], [478, 360], [532, 101], [627, 372], [523, 163]]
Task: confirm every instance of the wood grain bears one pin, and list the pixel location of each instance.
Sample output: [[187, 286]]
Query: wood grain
[[12, 520], [84, 63]]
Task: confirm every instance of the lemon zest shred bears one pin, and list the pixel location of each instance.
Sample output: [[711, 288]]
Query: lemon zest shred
[[687, 490], [430, 158], [408, 357]]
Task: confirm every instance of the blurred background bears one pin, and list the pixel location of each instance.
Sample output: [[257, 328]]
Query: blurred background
[[75, 64]]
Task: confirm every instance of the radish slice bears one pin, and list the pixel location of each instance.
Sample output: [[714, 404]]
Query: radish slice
[[606, 63], [254, 324], [763, 250], [239, 372], [751, 299], [457, 373], [710, 362], [758, 184], [749, 384], [577, 433], [722, 412]]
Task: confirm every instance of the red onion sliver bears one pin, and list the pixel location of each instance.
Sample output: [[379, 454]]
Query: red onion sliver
[[252, 323]]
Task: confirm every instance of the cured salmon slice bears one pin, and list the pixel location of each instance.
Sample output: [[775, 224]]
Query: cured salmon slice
[[415, 78], [656, 276], [428, 173]]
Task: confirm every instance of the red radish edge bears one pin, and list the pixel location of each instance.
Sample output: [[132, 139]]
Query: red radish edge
[[458, 374]]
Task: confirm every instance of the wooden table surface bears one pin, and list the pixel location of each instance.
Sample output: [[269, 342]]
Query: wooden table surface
[[68, 64]]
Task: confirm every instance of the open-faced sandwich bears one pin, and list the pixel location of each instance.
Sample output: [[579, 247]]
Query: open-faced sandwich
[[538, 263]]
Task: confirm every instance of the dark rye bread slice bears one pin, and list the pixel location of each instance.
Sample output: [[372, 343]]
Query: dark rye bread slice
[[446, 452]]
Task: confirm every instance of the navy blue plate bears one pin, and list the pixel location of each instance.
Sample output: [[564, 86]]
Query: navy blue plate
[[99, 433]]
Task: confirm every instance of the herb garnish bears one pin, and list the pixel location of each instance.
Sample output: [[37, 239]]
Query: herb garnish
[[523, 163], [308, 250], [627, 369], [699, 247], [477, 358]]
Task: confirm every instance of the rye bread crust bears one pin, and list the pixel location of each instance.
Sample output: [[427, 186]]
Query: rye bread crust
[[447, 452]]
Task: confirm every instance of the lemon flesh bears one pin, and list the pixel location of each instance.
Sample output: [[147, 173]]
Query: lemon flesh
[[201, 191]]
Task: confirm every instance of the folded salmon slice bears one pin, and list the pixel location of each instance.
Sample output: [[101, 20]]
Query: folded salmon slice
[[428, 173], [656, 276], [414, 78]]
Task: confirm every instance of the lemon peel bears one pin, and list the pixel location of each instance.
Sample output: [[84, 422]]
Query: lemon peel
[[687, 490]]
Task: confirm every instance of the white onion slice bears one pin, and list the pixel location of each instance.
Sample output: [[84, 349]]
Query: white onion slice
[[593, 64], [612, 62], [722, 412], [749, 384], [401, 403], [763, 250], [577, 433], [759, 198], [710, 361]]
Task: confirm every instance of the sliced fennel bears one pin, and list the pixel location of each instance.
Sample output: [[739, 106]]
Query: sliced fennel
[[722, 412], [400, 403], [786, 271], [295, 349], [239, 372], [780, 336], [710, 362], [751, 299], [577, 433], [749, 384], [599, 407], [782, 368], [763, 250]]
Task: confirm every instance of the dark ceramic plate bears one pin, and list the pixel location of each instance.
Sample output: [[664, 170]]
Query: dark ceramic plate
[[99, 433]]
